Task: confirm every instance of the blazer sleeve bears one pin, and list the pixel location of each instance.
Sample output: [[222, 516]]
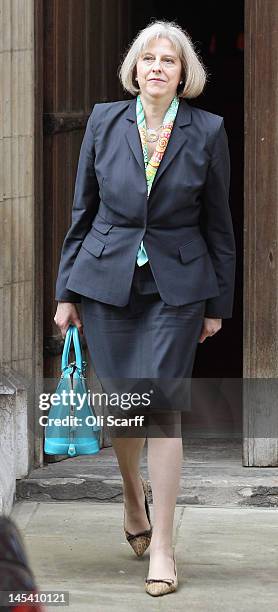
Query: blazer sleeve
[[85, 206], [217, 226]]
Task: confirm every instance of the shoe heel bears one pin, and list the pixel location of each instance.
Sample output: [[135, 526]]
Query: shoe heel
[[141, 541]]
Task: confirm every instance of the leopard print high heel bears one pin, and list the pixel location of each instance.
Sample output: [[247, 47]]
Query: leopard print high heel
[[162, 586], [141, 541]]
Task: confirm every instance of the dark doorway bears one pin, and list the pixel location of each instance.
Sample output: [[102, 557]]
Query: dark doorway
[[81, 49], [217, 30]]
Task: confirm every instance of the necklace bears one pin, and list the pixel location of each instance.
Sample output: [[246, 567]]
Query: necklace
[[152, 134]]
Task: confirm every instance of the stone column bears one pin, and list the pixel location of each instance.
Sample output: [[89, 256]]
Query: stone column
[[18, 285], [17, 153]]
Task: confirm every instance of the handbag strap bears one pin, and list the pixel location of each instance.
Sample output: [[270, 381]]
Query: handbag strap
[[77, 348], [72, 333], [67, 343]]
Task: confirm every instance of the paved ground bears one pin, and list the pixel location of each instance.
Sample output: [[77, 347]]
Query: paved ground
[[227, 558]]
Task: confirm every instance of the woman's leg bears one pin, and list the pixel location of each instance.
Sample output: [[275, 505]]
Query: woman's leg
[[128, 452], [164, 462]]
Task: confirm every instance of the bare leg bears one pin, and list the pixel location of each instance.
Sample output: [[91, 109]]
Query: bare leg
[[164, 460], [128, 452]]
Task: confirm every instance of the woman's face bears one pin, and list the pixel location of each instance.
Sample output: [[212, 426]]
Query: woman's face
[[159, 69]]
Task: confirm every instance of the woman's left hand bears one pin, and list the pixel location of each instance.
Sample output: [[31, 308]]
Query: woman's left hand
[[210, 327]]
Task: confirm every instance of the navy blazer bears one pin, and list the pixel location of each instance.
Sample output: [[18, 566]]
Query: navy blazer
[[186, 222]]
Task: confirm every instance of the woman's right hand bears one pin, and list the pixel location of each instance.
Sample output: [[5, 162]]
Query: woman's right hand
[[66, 315]]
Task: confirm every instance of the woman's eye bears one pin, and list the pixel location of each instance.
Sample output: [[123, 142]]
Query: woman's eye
[[149, 58]]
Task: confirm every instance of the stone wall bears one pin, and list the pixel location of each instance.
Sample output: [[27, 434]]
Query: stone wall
[[17, 291]]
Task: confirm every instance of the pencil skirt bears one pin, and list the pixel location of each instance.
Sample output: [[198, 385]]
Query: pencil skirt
[[145, 346]]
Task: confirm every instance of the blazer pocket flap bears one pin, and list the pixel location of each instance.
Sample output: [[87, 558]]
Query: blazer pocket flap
[[193, 249], [93, 245], [101, 225]]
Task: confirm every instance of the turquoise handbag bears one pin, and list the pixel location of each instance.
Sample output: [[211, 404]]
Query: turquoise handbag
[[71, 425]]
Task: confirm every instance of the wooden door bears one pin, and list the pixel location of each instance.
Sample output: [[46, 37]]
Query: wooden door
[[83, 41]]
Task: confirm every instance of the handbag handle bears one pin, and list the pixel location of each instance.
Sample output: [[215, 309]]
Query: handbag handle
[[72, 333]]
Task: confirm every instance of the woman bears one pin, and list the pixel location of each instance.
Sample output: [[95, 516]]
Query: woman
[[150, 255]]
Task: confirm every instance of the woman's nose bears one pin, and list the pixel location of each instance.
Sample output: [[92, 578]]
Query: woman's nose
[[156, 65]]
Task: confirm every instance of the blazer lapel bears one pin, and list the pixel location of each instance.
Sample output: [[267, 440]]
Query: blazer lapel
[[177, 139], [133, 136]]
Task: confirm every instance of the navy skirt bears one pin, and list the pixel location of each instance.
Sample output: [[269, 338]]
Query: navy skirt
[[146, 346]]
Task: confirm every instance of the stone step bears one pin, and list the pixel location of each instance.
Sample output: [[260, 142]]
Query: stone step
[[212, 475]]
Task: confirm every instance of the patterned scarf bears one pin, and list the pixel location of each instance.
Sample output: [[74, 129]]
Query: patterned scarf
[[151, 165]]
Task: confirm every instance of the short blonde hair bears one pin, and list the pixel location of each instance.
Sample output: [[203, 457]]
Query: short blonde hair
[[194, 74]]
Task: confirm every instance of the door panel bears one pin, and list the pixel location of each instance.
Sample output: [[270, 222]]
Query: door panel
[[83, 44]]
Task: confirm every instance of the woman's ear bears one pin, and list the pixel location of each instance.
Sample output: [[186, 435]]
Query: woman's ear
[[135, 78]]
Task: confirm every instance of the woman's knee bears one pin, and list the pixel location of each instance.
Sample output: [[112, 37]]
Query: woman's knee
[[164, 424]]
